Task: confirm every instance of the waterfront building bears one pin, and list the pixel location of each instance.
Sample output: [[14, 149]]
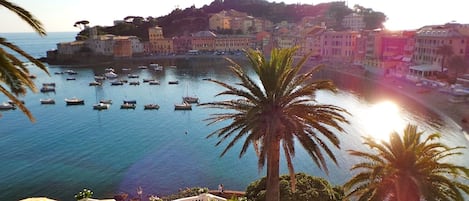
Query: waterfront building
[[122, 47], [203, 41], [429, 39], [182, 44], [233, 43], [339, 45], [311, 41], [159, 44], [69, 48]]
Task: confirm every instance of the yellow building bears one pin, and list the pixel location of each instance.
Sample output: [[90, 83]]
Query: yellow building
[[339, 45], [159, 44]]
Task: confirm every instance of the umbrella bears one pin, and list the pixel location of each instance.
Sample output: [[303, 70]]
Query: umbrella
[[38, 199]]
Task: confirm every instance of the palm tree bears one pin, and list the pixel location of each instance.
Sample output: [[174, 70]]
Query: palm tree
[[13, 73], [278, 111], [445, 51], [410, 168]]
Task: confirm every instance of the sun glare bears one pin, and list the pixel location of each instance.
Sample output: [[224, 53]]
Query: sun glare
[[382, 119]]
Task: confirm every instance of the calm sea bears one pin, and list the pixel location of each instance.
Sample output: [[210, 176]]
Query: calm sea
[[70, 148]]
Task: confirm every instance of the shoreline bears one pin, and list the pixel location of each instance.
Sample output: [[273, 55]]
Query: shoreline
[[430, 98]]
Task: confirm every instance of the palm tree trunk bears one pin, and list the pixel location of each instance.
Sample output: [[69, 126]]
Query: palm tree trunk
[[273, 179]]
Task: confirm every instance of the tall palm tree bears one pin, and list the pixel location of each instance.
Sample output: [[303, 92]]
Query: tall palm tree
[[278, 111], [13, 72], [408, 168], [445, 51]]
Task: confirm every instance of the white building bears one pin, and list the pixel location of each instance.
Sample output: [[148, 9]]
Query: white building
[[354, 22]]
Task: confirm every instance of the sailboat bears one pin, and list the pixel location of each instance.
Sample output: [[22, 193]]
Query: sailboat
[[189, 99]]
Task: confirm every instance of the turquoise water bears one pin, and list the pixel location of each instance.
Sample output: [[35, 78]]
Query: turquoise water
[[74, 147]]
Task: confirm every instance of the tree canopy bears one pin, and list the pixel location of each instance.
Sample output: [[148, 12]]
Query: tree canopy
[[307, 188]]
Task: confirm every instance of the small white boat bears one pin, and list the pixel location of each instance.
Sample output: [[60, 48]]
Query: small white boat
[[45, 89], [48, 84], [142, 67], [95, 83], [126, 69], [190, 99], [98, 77], [158, 68], [154, 82], [134, 83], [71, 72], [110, 75], [151, 106], [7, 106], [183, 106], [101, 106], [148, 79], [132, 76], [74, 101], [130, 101], [128, 106], [106, 101], [47, 101], [117, 83], [109, 69]]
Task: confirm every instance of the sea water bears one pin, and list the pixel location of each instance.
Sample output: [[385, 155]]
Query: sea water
[[69, 148]]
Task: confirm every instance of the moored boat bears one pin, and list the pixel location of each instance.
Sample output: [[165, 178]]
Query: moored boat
[[47, 101], [183, 106], [134, 83], [49, 84], [142, 67], [101, 106], [110, 75], [132, 76], [45, 89], [154, 82], [173, 82], [151, 106], [95, 83], [71, 78], [190, 99], [7, 106], [106, 101], [117, 83], [148, 79], [128, 106], [74, 101], [130, 102]]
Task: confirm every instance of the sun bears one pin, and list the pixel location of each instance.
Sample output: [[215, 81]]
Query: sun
[[381, 119]]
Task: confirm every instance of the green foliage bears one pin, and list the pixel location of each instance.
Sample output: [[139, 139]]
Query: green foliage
[[86, 193], [188, 192], [411, 166], [307, 188], [373, 19], [14, 75]]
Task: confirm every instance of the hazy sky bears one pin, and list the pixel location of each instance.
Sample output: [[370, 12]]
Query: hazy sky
[[60, 15]]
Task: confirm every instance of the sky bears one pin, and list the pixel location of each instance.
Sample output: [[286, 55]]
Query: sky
[[60, 15]]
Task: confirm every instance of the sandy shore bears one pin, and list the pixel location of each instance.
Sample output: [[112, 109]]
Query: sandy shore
[[431, 98]]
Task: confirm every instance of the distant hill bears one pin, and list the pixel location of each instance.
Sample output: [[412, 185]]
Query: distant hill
[[185, 21]]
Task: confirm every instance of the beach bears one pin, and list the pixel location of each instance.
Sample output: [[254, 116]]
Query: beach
[[430, 97]]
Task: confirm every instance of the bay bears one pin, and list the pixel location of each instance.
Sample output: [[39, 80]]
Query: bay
[[70, 148]]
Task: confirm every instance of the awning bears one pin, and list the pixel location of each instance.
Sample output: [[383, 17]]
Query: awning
[[426, 68], [406, 59]]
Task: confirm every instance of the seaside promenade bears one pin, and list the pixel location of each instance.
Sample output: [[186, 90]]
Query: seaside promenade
[[429, 97]]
